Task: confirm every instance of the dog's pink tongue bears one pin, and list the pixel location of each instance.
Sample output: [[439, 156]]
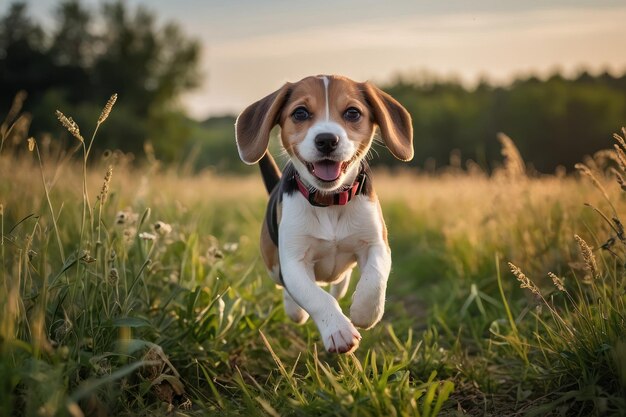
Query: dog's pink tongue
[[327, 170]]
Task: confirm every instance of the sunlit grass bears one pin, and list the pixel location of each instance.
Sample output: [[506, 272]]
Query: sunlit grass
[[134, 289]]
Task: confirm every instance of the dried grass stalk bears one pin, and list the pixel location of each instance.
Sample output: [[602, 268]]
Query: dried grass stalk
[[588, 256], [513, 163], [105, 186], [70, 125], [107, 109], [584, 169], [558, 282], [525, 282]]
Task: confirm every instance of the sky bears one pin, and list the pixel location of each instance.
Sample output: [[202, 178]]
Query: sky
[[250, 48]]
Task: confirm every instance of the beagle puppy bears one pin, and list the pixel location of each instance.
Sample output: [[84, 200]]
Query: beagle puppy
[[323, 216]]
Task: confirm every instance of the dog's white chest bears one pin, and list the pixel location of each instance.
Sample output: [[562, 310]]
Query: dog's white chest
[[332, 239]]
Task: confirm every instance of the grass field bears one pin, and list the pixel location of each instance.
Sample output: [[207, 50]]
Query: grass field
[[134, 289]]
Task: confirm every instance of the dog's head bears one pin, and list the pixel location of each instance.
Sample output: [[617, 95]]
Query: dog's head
[[327, 125]]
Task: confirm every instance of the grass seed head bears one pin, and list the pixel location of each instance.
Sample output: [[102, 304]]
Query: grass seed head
[[620, 139], [525, 282], [113, 276], [620, 156], [513, 162], [16, 106], [31, 144], [588, 256], [70, 125], [585, 170], [619, 179], [104, 192], [107, 109], [558, 282]]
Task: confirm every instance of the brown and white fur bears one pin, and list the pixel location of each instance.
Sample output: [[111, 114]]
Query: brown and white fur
[[321, 245]]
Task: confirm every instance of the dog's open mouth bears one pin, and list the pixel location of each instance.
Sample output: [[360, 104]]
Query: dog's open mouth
[[327, 170]]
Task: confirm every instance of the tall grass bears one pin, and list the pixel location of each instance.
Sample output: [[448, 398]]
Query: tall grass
[[581, 342], [129, 288]]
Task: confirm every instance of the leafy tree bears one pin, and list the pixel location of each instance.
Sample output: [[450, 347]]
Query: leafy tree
[[77, 66]]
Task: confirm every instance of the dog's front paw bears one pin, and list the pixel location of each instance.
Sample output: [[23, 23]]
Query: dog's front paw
[[340, 336], [367, 310]]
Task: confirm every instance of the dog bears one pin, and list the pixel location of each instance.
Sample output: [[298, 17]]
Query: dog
[[323, 217]]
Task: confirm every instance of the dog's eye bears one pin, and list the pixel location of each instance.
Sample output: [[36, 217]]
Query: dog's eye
[[300, 114], [352, 114]]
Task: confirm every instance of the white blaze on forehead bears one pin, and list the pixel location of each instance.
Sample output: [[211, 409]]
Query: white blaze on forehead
[[326, 82]]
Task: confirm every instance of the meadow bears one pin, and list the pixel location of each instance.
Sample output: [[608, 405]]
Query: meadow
[[134, 288]]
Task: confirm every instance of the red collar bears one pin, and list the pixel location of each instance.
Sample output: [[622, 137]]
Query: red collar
[[340, 198]]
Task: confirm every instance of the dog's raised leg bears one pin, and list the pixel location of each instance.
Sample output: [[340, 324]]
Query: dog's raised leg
[[339, 288], [368, 300], [293, 310]]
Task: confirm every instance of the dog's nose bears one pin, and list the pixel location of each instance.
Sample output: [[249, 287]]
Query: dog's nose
[[326, 142]]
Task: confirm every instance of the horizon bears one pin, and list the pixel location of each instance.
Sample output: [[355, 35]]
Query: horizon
[[251, 49]]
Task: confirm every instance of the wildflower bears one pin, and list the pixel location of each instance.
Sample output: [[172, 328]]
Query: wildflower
[[590, 259], [231, 246], [121, 217], [525, 282], [147, 236], [213, 254], [126, 217], [107, 109], [70, 125], [162, 228], [558, 282]]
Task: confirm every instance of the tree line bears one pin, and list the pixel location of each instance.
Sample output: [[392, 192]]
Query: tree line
[[554, 121]]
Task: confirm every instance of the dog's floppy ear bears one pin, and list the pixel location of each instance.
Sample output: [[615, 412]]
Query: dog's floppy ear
[[394, 122], [253, 126]]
